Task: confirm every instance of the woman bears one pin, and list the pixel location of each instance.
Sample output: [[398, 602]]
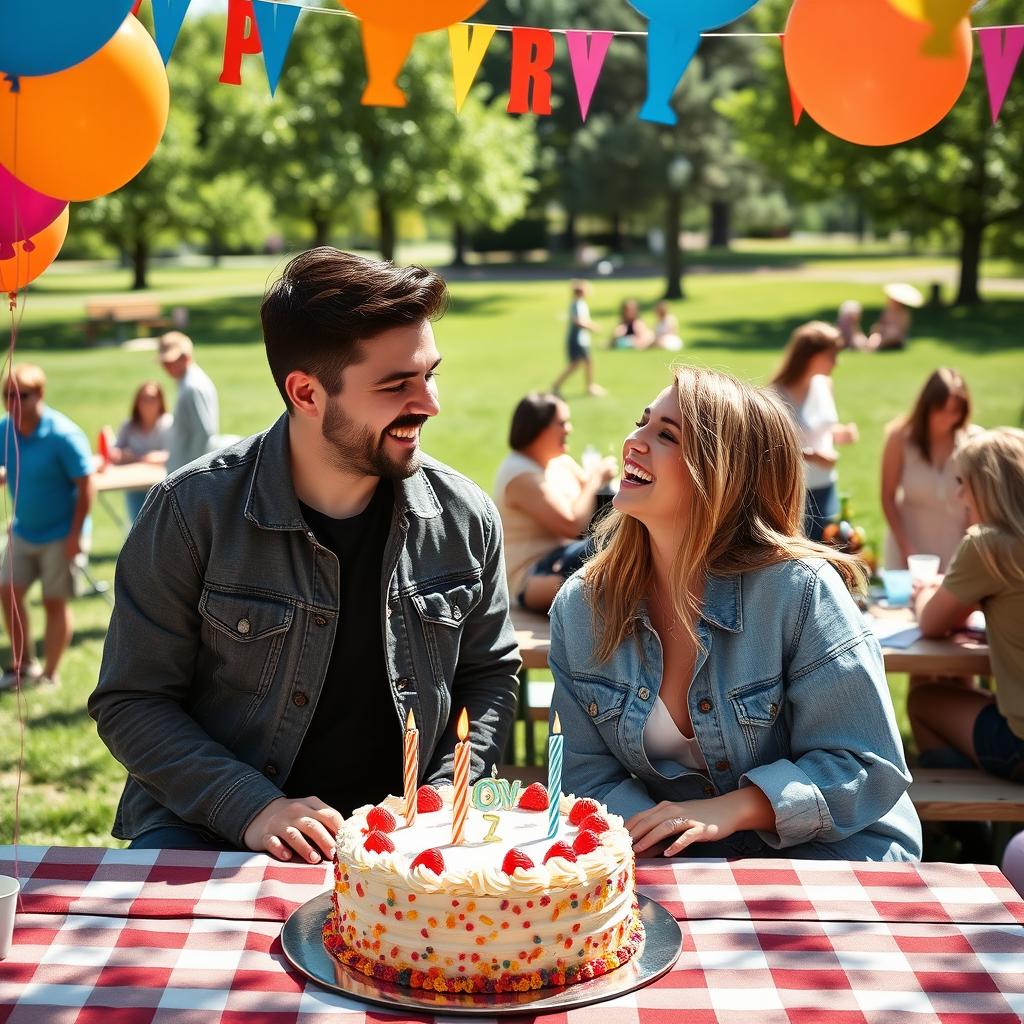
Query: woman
[[987, 571], [666, 329], [143, 437], [545, 500], [631, 331], [804, 380], [848, 325], [918, 474], [715, 681]]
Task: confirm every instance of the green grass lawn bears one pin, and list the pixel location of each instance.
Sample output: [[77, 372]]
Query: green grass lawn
[[499, 340]]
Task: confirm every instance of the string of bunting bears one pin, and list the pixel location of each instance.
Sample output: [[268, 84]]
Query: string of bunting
[[928, 37]]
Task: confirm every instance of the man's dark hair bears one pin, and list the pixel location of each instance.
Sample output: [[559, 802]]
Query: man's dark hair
[[532, 416], [327, 301]]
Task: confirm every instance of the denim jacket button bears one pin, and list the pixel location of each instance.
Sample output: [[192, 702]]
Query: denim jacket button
[[709, 790], [456, 613], [270, 769], [773, 709], [644, 693], [299, 699], [243, 626], [722, 766], [593, 709], [705, 705], [320, 620], [403, 684]]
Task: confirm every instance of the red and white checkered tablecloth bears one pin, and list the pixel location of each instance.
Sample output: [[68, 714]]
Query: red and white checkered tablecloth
[[173, 937]]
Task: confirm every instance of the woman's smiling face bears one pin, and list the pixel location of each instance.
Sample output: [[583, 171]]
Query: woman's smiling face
[[656, 485]]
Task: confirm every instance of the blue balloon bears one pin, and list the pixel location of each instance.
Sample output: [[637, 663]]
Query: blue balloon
[[673, 35], [40, 37]]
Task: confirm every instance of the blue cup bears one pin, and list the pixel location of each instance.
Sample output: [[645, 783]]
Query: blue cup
[[898, 585]]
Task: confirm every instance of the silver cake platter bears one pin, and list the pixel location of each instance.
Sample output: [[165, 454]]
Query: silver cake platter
[[304, 948]]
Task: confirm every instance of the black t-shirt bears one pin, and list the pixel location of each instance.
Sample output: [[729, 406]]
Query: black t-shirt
[[352, 752]]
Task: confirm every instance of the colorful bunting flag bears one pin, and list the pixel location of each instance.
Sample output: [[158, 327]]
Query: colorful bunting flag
[[275, 24], [242, 36], [533, 53], [167, 18], [587, 51], [1000, 55], [468, 46]]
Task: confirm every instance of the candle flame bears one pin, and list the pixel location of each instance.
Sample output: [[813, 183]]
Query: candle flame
[[410, 722], [558, 725], [463, 727]]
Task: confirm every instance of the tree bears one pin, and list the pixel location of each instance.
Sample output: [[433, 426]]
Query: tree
[[234, 213], [159, 199], [965, 173]]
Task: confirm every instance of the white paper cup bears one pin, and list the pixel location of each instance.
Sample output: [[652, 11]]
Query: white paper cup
[[923, 567], [9, 888]]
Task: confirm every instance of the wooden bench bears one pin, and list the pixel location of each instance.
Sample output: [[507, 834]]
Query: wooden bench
[[117, 310], [965, 795]]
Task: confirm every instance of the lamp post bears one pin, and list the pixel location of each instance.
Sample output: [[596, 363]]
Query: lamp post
[[678, 174]]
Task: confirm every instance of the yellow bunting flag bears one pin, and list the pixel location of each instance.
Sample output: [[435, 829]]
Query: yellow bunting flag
[[467, 55]]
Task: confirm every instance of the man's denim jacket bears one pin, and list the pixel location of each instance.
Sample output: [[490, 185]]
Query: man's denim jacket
[[788, 693], [224, 622]]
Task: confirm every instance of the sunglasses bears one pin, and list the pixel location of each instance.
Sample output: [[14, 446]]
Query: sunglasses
[[23, 395]]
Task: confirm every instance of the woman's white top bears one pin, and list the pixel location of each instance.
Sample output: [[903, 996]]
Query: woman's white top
[[817, 418], [664, 742]]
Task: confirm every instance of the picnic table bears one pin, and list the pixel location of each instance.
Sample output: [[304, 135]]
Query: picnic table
[[128, 476], [158, 936]]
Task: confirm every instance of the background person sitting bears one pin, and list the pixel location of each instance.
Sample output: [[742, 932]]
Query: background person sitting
[[987, 571], [144, 437], [892, 328], [631, 331], [848, 325], [666, 329], [545, 500], [919, 489]]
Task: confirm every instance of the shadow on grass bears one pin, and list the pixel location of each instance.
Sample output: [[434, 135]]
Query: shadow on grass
[[991, 327]]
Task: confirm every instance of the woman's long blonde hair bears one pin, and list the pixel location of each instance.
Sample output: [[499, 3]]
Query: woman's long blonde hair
[[992, 465], [745, 512]]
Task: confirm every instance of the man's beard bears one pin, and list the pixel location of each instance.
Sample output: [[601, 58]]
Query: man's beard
[[354, 448]]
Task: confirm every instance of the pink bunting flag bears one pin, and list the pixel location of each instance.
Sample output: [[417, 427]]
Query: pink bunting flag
[[1000, 54], [587, 51]]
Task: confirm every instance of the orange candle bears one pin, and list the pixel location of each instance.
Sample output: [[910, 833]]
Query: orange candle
[[411, 767], [460, 779]]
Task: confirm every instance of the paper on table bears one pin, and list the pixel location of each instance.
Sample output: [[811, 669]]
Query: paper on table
[[893, 633]]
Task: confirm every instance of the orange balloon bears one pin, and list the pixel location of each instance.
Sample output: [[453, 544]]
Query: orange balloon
[[33, 256], [389, 29], [859, 70], [87, 130]]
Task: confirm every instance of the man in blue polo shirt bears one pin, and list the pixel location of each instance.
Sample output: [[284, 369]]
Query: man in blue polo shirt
[[46, 462]]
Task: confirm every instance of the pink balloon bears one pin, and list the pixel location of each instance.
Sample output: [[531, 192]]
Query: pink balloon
[[24, 212]]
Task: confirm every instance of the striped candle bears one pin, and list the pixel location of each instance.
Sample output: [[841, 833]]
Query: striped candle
[[460, 806], [411, 767], [554, 776]]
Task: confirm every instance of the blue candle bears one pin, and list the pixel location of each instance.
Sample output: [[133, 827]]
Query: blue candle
[[554, 776]]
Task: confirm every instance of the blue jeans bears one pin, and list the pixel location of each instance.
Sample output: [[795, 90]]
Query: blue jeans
[[179, 837], [999, 750], [822, 506], [133, 502]]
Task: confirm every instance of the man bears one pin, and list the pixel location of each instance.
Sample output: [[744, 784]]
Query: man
[[196, 414], [283, 604], [46, 462]]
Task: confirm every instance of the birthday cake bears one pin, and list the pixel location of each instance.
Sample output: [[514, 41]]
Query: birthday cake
[[509, 909]]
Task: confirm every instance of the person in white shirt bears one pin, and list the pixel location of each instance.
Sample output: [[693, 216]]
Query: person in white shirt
[[196, 412], [804, 381]]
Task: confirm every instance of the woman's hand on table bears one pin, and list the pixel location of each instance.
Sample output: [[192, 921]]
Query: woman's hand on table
[[700, 821], [304, 826]]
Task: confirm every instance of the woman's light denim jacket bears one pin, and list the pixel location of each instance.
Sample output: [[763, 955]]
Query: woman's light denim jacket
[[788, 693]]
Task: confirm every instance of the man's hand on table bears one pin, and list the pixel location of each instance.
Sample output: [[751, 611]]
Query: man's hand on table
[[288, 826]]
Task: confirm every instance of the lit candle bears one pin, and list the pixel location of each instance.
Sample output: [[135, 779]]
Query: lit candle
[[461, 780], [554, 776], [411, 767]]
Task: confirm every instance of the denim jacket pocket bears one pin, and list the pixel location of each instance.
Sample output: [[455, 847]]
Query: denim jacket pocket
[[601, 699], [758, 708], [247, 633], [442, 612]]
